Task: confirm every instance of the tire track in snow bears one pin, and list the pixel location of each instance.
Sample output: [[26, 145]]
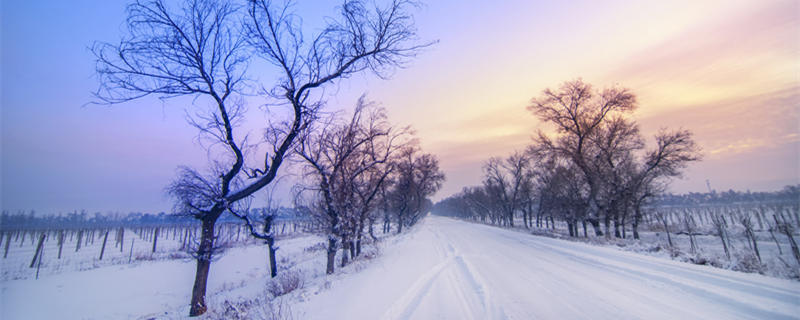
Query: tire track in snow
[[477, 283], [405, 306], [454, 275], [410, 300], [458, 270], [558, 285]]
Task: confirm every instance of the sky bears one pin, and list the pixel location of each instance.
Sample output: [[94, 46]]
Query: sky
[[729, 71]]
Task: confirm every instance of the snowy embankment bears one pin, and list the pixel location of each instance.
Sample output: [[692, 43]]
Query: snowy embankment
[[440, 269]]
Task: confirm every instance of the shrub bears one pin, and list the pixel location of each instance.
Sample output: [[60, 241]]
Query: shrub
[[316, 247], [747, 262], [285, 282], [252, 309]]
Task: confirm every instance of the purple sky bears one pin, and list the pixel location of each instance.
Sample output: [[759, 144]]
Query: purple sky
[[727, 70]]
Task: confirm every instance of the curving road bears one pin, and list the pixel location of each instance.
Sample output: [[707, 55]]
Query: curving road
[[449, 269]]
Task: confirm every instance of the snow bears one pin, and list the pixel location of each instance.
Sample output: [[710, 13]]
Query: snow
[[440, 269], [449, 269], [151, 289]]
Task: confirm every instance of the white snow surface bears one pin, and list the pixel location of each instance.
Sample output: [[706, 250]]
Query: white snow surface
[[158, 289], [450, 269], [441, 269]]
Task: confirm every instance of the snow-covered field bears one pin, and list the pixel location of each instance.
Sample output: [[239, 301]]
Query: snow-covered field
[[775, 261], [441, 269], [136, 247], [148, 289]]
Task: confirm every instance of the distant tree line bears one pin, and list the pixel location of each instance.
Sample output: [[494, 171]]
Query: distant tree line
[[788, 194], [30, 220]]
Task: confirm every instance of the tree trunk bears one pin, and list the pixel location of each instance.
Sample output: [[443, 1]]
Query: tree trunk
[[359, 232], [525, 219], [204, 253], [331, 254], [596, 226], [399, 224], [358, 246], [270, 239], [371, 233], [635, 225], [345, 249], [273, 265], [585, 235]]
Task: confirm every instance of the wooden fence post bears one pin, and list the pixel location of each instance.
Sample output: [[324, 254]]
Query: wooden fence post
[[131, 255], [80, 240], [8, 242], [103, 249], [60, 242], [38, 249], [39, 265], [155, 239]]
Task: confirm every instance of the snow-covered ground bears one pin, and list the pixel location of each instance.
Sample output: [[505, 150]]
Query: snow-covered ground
[[148, 289], [775, 261], [449, 269], [440, 269]]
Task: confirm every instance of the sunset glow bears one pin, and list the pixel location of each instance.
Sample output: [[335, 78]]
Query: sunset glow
[[729, 71]]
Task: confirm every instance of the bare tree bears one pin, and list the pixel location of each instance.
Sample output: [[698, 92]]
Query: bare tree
[[195, 51], [202, 50], [505, 179], [674, 151], [267, 216], [418, 177], [578, 111], [606, 148], [347, 163]]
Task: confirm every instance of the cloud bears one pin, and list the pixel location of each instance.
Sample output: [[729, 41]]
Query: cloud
[[750, 52]]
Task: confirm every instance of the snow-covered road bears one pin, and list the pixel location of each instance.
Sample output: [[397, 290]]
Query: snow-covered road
[[449, 269]]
